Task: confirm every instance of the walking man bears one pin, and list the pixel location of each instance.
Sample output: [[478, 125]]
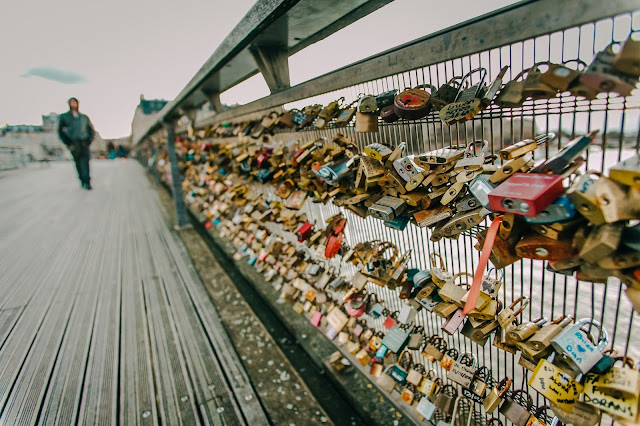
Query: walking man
[[76, 131]]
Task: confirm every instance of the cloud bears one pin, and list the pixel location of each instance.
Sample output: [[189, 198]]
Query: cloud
[[53, 74]]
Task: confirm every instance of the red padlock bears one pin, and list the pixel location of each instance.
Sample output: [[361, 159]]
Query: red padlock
[[304, 232], [334, 242], [526, 194], [208, 224]]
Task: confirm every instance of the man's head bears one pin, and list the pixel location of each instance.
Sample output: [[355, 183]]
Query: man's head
[[73, 104]]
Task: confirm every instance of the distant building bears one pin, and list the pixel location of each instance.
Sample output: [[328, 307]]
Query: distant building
[[41, 142], [144, 116]]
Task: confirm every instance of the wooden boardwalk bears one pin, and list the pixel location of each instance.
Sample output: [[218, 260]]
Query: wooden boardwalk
[[103, 319]]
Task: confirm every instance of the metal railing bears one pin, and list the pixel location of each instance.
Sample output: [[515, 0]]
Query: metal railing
[[519, 36]]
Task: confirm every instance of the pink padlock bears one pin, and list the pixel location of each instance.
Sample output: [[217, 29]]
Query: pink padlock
[[316, 318]]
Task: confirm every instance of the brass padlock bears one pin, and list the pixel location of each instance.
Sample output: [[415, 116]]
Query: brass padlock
[[511, 95], [582, 194], [602, 241], [507, 316], [527, 329], [603, 77], [449, 358], [560, 77], [435, 349], [627, 61], [468, 103], [366, 122], [445, 401], [496, 396], [627, 172], [534, 88], [612, 199]]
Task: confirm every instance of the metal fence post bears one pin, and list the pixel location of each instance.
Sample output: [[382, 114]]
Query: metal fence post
[[176, 183]]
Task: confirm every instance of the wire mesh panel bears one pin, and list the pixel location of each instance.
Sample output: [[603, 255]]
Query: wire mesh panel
[[551, 295]]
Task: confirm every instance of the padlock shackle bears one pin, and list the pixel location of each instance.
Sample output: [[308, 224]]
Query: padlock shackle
[[467, 151], [481, 70], [503, 386], [577, 61], [469, 357], [432, 257], [460, 274], [524, 300], [604, 336]]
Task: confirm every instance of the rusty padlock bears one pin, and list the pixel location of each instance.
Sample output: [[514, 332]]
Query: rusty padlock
[[627, 61], [446, 94], [412, 104], [535, 89], [603, 77], [560, 76], [511, 94]]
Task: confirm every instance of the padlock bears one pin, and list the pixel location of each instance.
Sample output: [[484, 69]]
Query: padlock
[[507, 316], [396, 339], [367, 104], [463, 370], [511, 95], [387, 208], [615, 392], [481, 382], [600, 75], [560, 77], [435, 349], [345, 115], [385, 381], [534, 88], [542, 338], [472, 160], [555, 384], [446, 94], [366, 122], [526, 194], [536, 246], [445, 400], [577, 349], [449, 357], [516, 407], [510, 167], [416, 374], [495, 398], [416, 338], [480, 333], [582, 194], [480, 187], [388, 114], [439, 274], [611, 197], [627, 60], [627, 172], [602, 241], [453, 293], [560, 210], [493, 88], [582, 414], [386, 98], [464, 221], [528, 145], [527, 329], [412, 104], [567, 155], [407, 168]]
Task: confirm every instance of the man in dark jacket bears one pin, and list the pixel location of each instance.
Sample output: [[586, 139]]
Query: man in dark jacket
[[76, 131]]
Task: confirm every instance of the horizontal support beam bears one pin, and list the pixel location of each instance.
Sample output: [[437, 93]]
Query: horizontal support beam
[[512, 24]]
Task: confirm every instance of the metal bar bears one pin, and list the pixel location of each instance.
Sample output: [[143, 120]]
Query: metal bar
[[176, 186], [524, 20]]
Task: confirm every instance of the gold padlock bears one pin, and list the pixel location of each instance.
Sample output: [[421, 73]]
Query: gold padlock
[[511, 95], [627, 172], [366, 122], [496, 396], [628, 59], [534, 88], [603, 77], [560, 77], [582, 194], [612, 199]]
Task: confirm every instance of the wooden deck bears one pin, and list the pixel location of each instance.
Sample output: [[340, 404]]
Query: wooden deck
[[103, 319]]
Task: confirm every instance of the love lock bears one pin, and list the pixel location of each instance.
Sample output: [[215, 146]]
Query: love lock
[[577, 349], [603, 77]]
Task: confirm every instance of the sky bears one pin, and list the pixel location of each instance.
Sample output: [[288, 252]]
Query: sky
[[109, 53]]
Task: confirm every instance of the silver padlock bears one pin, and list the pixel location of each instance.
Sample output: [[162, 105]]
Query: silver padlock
[[576, 348]]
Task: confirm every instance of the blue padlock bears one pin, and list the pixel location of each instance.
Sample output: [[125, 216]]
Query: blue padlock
[[577, 349], [560, 210]]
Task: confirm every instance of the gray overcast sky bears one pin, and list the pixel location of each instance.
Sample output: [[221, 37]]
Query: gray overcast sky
[[107, 53]]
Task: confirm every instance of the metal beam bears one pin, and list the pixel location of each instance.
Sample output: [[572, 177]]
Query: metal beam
[[273, 63], [521, 21], [287, 26], [214, 100]]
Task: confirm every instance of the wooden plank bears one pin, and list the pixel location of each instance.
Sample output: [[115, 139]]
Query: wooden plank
[[137, 395], [64, 394]]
